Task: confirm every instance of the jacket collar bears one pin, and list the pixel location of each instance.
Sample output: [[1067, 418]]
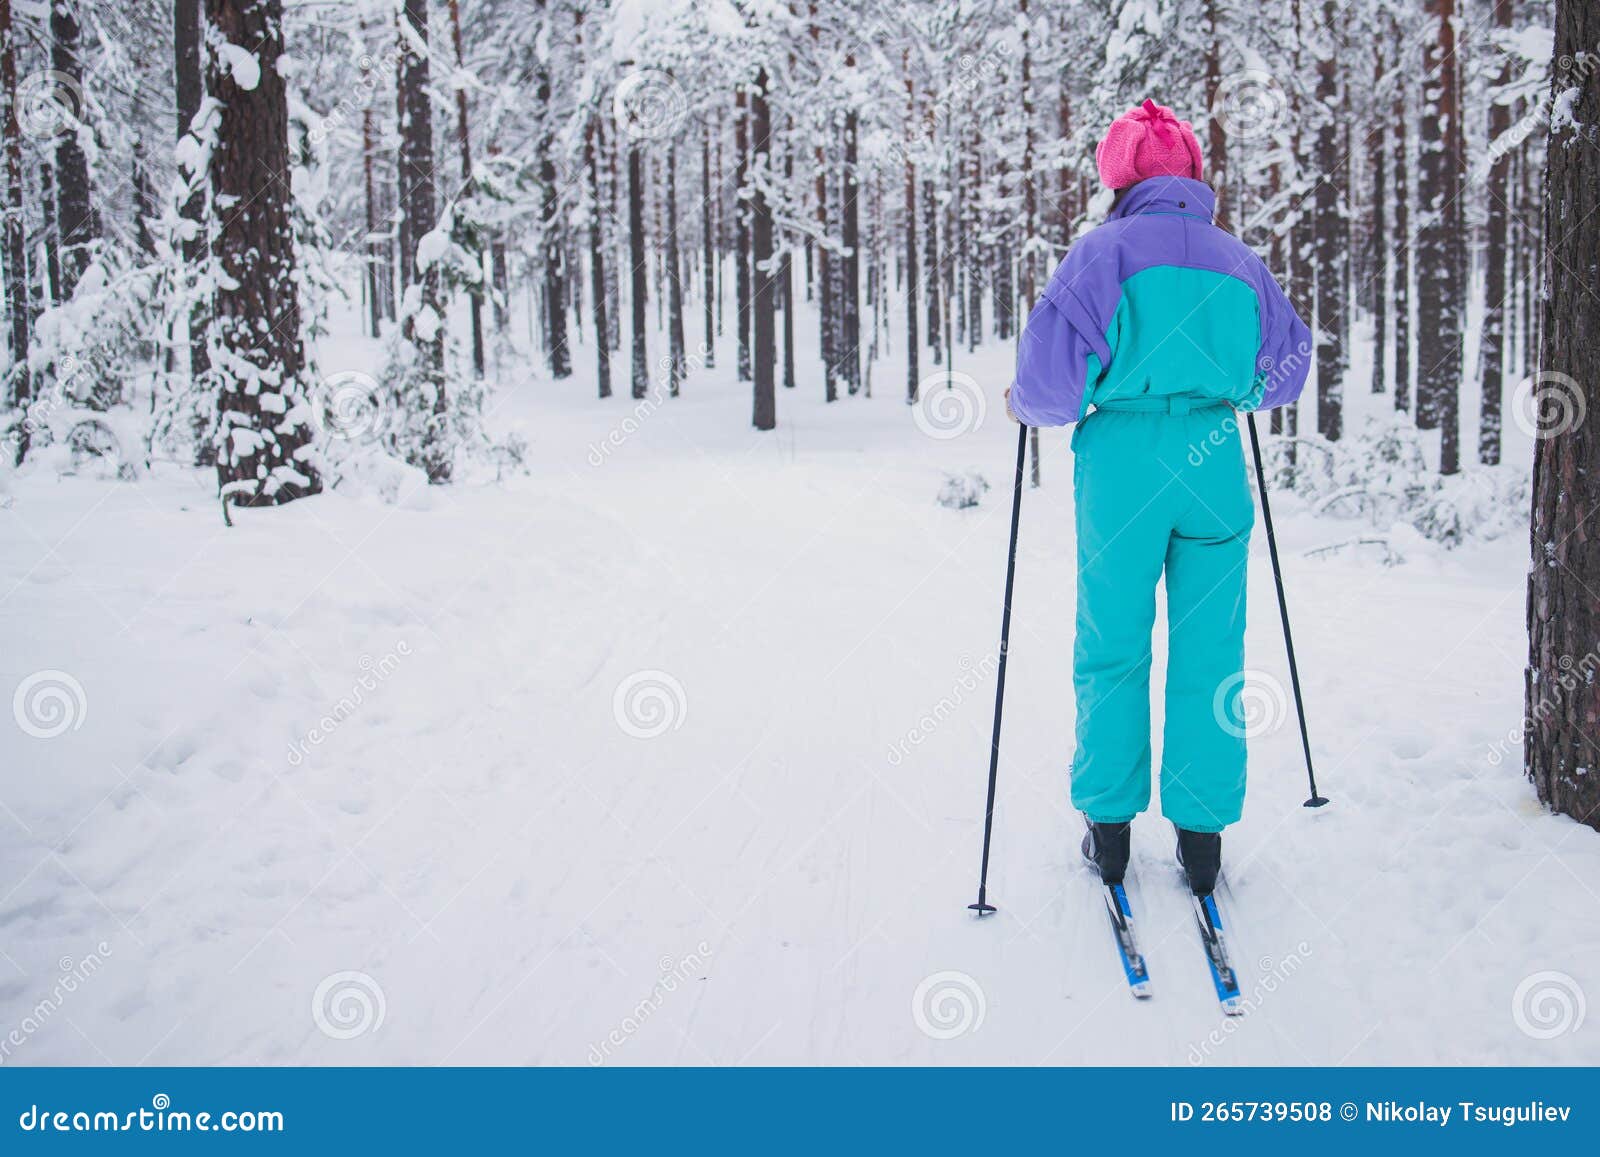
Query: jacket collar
[[1168, 195]]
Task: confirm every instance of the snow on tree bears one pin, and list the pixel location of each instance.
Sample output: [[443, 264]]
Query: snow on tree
[[264, 451]]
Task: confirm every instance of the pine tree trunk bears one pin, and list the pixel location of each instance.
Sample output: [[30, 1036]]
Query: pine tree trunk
[[1030, 212], [1378, 250], [369, 146], [708, 245], [464, 144], [1491, 349], [636, 261], [975, 249], [1216, 137], [20, 392], [550, 247], [51, 289], [1302, 284], [145, 208], [74, 210], [741, 216], [189, 84], [405, 237], [676, 357], [499, 272], [913, 375], [824, 280], [1001, 263], [765, 410], [597, 262], [264, 440], [848, 347], [1439, 243], [1402, 236], [422, 217], [1328, 240], [930, 265], [786, 270], [613, 186], [1562, 692]]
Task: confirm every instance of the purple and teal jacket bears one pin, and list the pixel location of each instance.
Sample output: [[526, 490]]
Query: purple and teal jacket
[[1159, 302]]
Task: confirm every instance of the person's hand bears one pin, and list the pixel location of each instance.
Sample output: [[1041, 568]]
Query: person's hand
[[1009, 412]]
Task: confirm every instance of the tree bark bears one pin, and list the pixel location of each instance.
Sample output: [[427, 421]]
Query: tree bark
[[765, 412], [557, 355], [75, 216], [21, 393], [675, 349], [640, 287], [913, 375], [189, 83], [597, 261], [847, 349], [824, 281], [1328, 239], [421, 218], [1439, 242], [1216, 138], [1491, 348], [786, 268], [741, 217], [369, 149], [263, 439], [1402, 245], [1378, 248], [1562, 692], [464, 144], [709, 250]]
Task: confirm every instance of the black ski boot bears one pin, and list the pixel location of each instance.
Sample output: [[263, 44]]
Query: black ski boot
[[1200, 854], [1106, 848]]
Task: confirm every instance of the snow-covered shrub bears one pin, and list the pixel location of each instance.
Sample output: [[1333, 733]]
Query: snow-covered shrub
[[963, 490], [1381, 476], [91, 356]]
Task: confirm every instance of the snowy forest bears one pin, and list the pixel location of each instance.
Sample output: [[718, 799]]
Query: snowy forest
[[644, 359], [667, 182]]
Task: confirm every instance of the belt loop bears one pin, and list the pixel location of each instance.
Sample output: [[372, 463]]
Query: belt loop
[[1179, 405]]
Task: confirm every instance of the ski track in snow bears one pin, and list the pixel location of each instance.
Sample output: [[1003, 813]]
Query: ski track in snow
[[515, 874]]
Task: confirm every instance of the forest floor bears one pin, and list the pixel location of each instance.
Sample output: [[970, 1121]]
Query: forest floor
[[782, 874]]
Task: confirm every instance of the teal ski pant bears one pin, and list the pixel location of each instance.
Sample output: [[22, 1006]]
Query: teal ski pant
[[1160, 487]]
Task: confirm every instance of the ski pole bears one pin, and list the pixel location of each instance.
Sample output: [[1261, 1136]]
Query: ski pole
[[983, 907], [1283, 611]]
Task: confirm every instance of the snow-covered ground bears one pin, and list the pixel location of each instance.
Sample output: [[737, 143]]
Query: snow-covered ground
[[485, 855]]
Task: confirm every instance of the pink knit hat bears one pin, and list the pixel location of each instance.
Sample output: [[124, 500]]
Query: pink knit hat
[[1148, 141]]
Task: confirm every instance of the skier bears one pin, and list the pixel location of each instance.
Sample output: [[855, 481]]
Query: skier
[[1154, 332]]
